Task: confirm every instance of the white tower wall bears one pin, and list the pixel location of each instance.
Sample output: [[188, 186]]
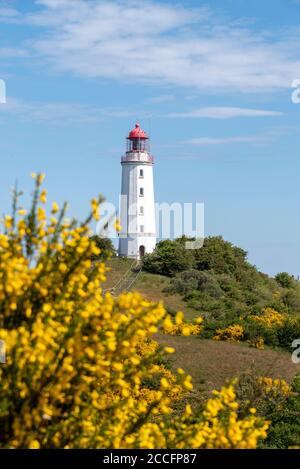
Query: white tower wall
[[138, 234]]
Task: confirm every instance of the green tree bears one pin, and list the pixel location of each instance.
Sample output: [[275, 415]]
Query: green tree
[[169, 258], [220, 256], [285, 280]]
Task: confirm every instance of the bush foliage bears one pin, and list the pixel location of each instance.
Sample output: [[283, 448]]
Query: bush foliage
[[219, 283], [78, 362]]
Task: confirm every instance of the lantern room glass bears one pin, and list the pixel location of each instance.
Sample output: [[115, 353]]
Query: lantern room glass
[[137, 144]]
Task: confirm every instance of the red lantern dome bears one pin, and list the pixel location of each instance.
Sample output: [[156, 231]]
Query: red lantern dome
[[137, 146], [137, 133]]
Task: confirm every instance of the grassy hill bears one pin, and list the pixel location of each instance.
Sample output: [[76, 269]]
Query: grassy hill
[[256, 318], [209, 362]]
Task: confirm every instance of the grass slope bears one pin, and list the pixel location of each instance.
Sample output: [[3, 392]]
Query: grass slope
[[149, 285], [209, 362]]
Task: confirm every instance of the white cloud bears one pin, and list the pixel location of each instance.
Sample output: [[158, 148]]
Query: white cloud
[[163, 98], [55, 3], [224, 113], [8, 12], [6, 52], [155, 42], [253, 139]]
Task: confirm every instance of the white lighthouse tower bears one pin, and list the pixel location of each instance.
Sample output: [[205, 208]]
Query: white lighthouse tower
[[138, 234]]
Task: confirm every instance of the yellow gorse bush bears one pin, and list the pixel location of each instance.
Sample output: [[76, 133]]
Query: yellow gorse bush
[[269, 318], [179, 327], [81, 368], [275, 387], [232, 333], [257, 342]]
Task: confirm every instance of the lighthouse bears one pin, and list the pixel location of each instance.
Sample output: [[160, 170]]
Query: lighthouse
[[137, 210]]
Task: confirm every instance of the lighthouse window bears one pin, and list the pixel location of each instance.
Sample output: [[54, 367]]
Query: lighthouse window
[[141, 210], [141, 191], [142, 228], [141, 173]]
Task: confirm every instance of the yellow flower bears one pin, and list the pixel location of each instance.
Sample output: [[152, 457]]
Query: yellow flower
[[164, 383], [118, 366], [188, 383], [117, 225], [199, 320], [186, 331], [179, 318], [8, 221], [55, 208], [40, 178], [95, 209], [169, 349], [34, 444], [41, 214], [62, 267], [43, 196], [22, 212]]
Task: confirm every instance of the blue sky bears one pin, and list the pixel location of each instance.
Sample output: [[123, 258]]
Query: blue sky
[[211, 81]]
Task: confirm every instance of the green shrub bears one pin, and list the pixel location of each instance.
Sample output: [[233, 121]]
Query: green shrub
[[169, 258], [287, 332], [284, 431], [285, 280]]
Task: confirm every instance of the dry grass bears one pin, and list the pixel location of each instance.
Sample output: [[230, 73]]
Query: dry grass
[[212, 363], [116, 269]]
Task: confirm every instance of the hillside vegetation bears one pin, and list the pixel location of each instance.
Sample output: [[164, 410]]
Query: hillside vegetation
[[236, 300], [87, 370], [249, 323], [219, 283]]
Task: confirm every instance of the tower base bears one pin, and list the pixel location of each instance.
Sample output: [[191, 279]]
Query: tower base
[[137, 247]]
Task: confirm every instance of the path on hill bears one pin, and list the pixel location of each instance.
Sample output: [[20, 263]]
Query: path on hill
[[127, 281]]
